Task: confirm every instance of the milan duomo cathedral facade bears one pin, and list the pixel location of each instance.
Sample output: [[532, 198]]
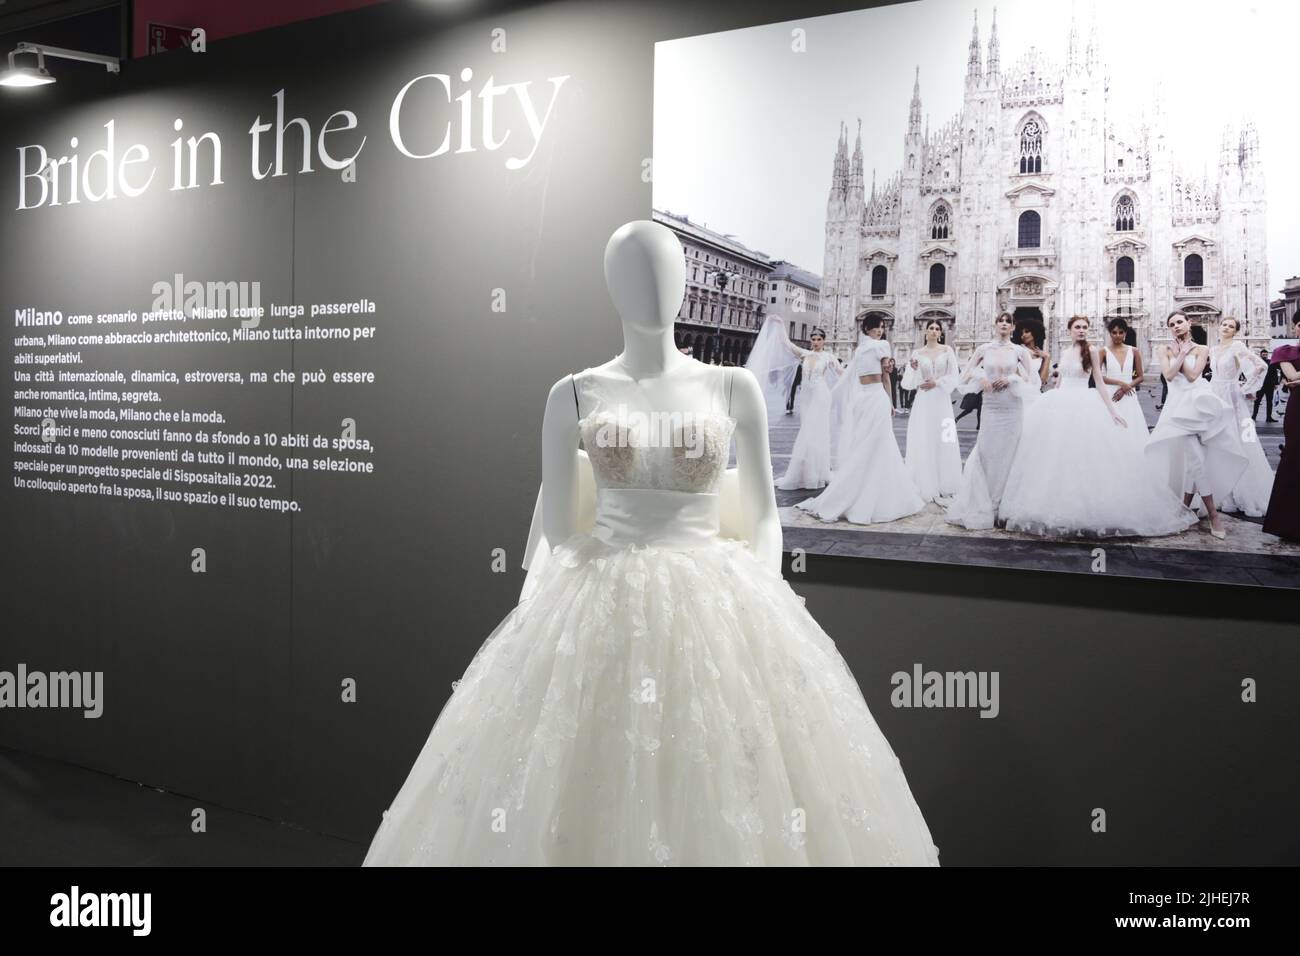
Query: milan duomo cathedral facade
[[1033, 200]]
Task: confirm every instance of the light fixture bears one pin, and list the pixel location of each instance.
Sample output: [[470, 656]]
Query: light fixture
[[24, 76]]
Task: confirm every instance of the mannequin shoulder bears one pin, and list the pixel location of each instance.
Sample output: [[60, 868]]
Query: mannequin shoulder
[[746, 394]]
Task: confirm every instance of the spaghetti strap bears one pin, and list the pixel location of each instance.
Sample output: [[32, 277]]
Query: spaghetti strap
[[573, 380]]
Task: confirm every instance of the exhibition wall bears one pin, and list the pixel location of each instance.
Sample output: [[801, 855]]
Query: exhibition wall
[[285, 653]]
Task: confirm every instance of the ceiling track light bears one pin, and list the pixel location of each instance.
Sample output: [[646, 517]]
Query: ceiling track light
[[25, 76]]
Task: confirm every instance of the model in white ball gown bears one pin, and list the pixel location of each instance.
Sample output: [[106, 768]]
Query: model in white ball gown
[[933, 454], [1121, 370], [1005, 375], [1230, 362], [1194, 447], [774, 360], [870, 483], [1076, 473], [660, 696]]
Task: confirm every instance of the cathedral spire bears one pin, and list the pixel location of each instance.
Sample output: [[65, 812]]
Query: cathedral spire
[[995, 58], [914, 117], [1094, 47], [855, 173], [839, 169], [1227, 152], [1072, 48], [973, 67]]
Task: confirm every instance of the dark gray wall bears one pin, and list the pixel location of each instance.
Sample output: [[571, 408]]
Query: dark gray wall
[[1115, 693]]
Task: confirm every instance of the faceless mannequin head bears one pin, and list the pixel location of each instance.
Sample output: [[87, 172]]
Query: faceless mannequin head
[[645, 271]]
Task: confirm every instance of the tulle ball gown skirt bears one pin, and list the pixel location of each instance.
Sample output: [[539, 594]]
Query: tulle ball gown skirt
[[1083, 475], [656, 705], [871, 483]]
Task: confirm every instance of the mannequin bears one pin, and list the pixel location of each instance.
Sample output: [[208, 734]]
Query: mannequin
[[645, 271], [659, 695]]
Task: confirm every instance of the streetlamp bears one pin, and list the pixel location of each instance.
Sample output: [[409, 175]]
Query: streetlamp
[[720, 278]]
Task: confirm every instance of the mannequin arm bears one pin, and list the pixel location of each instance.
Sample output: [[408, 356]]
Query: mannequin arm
[[754, 468], [560, 463]]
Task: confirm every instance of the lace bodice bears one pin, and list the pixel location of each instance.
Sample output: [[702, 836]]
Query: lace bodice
[[816, 365], [633, 447], [940, 369], [1001, 360], [1070, 367], [1228, 365]]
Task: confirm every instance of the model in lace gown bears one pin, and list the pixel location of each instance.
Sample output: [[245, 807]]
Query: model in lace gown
[[1230, 360], [1121, 371], [1076, 473], [933, 455], [1193, 447], [870, 483], [810, 459], [1004, 374], [660, 696]]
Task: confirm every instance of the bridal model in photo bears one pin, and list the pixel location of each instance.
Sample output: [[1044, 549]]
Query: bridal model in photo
[[870, 483], [1231, 362], [1004, 374], [933, 457], [1194, 446], [660, 695], [775, 360]]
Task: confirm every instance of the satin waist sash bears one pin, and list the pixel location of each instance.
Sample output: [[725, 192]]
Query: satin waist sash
[[668, 519]]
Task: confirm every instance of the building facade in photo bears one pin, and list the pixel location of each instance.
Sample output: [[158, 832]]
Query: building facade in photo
[[726, 285], [1039, 198], [1284, 310], [795, 295]]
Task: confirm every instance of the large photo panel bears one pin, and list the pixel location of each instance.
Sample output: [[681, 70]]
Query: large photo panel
[[1019, 295]]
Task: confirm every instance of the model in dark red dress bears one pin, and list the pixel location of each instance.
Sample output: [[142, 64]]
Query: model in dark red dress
[[1283, 516]]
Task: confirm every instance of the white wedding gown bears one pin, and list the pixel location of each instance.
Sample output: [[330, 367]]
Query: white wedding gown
[[660, 697], [1129, 408], [984, 476], [1076, 472], [870, 483], [1250, 494], [1194, 447], [933, 454], [810, 459]]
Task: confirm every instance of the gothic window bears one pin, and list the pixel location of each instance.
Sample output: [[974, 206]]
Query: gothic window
[[1124, 272], [1125, 214], [938, 278], [1031, 230], [911, 162], [879, 280], [1031, 147], [1193, 271], [940, 222]]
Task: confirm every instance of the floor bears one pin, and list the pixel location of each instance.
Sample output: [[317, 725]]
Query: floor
[[57, 814]]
